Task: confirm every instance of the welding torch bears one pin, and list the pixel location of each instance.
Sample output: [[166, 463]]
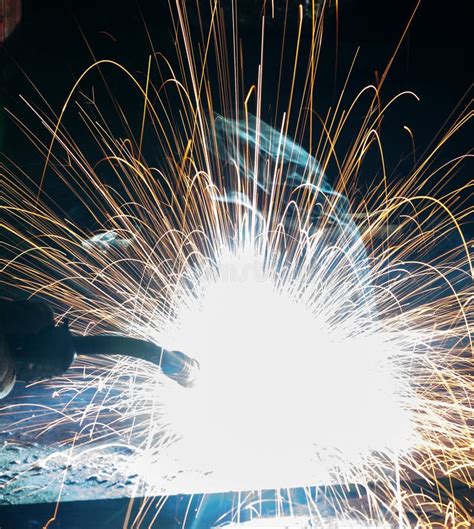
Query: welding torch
[[51, 350]]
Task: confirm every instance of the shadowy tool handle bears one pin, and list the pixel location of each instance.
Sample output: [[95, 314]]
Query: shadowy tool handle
[[51, 352]]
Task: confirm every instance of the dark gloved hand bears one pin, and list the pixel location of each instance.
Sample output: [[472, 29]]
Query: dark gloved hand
[[19, 321]]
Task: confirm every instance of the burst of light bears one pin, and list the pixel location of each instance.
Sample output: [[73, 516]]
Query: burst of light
[[284, 395]]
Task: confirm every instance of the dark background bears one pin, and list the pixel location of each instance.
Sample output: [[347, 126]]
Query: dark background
[[434, 61]]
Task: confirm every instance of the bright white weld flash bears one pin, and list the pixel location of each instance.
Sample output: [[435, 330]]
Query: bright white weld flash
[[283, 396]]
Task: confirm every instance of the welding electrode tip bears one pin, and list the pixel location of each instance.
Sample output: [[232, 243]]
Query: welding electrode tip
[[174, 364]]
